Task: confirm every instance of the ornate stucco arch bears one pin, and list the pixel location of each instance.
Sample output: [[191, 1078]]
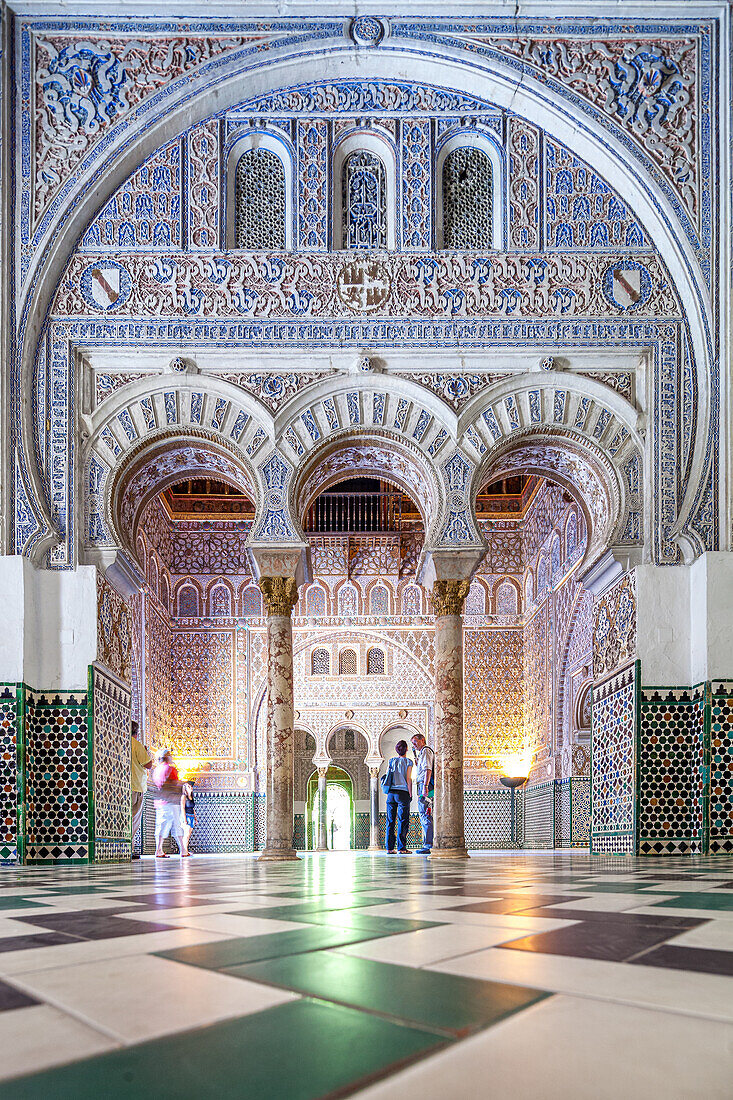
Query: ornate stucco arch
[[275, 64]]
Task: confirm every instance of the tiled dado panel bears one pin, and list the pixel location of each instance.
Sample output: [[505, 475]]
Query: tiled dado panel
[[539, 816], [670, 771], [11, 775], [721, 767], [225, 823], [110, 720], [572, 812], [488, 822], [614, 727], [57, 776]]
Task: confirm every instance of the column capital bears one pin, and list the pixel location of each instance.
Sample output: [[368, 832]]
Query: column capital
[[322, 773], [374, 772], [449, 596], [281, 594]]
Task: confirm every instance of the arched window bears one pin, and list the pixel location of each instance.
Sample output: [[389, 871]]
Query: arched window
[[571, 535], [555, 570], [320, 662], [375, 662], [475, 600], [411, 602], [347, 601], [506, 599], [363, 201], [153, 575], [260, 201], [379, 600], [468, 199], [221, 601], [251, 602], [347, 662], [165, 596], [528, 590], [188, 602], [315, 601]]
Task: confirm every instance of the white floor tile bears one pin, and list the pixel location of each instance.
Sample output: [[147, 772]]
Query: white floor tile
[[143, 997], [232, 925], [708, 995], [40, 1036], [429, 945], [715, 934], [571, 1049]]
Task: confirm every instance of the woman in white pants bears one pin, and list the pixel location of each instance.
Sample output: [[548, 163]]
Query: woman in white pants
[[168, 820]]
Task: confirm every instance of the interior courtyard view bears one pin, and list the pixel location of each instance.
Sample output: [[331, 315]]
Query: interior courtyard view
[[366, 550]]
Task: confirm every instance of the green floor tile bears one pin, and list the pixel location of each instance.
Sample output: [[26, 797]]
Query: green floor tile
[[21, 903], [711, 900], [453, 1005], [226, 953], [297, 1051]]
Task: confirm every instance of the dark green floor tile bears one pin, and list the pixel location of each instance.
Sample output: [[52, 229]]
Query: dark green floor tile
[[311, 909], [696, 901], [297, 1051], [228, 953], [453, 1005], [20, 903]]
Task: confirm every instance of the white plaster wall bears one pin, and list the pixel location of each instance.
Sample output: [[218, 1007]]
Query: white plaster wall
[[49, 635], [663, 624], [711, 617]]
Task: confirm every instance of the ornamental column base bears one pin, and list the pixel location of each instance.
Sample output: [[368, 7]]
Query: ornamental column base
[[448, 853], [277, 855]]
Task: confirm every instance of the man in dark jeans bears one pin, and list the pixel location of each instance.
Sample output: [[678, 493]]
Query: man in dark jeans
[[399, 797]]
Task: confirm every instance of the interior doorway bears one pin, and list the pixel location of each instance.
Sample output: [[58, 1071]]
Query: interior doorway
[[339, 810]]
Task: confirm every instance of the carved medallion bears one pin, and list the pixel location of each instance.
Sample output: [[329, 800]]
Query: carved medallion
[[363, 285]]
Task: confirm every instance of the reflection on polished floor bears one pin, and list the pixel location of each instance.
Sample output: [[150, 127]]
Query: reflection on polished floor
[[535, 975]]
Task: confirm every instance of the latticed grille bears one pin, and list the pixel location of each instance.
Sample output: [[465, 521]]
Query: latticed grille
[[320, 662], [379, 600], [220, 601], [315, 601], [467, 200], [347, 662], [506, 599], [375, 662], [251, 602], [260, 201], [188, 602], [364, 202]]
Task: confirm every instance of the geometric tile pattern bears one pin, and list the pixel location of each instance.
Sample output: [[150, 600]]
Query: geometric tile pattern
[[225, 823], [114, 630], [9, 774], [721, 767], [670, 771], [361, 830], [580, 811], [539, 816], [260, 821], [57, 771], [613, 739], [110, 700], [487, 817]]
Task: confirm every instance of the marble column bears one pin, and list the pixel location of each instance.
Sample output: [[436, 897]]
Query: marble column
[[448, 597], [280, 594], [322, 845], [374, 845]]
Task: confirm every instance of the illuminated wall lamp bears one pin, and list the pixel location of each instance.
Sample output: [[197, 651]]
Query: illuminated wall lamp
[[513, 781]]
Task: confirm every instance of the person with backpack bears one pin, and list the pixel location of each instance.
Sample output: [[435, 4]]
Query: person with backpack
[[425, 760], [397, 784]]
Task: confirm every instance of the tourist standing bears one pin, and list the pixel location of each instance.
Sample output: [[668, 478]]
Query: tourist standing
[[168, 818], [399, 796], [424, 775], [188, 808], [140, 762]]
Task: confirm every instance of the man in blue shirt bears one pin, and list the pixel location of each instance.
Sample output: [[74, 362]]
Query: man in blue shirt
[[425, 769]]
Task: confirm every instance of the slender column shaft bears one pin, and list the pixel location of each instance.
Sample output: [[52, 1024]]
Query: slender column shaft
[[374, 809], [280, 595], [322, 834], [448, 598]]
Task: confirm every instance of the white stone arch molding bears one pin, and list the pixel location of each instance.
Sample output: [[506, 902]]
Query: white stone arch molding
[[474, 137], [601, 428], [157, 119], [168, 406], [149, 468], [349, 724], [240, 142], [373, 140], [373, 452]]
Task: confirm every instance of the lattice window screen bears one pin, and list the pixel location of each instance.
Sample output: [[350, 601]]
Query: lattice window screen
[[375, 662], [411, 600], [364, 202], [320, 662], [347, 662], [251, 602], [315, 601], [506, 599], [379, 600], [260, 201], [468, 206], [220, 602], [188, 602]]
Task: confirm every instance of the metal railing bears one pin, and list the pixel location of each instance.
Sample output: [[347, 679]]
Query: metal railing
[[356, 513]]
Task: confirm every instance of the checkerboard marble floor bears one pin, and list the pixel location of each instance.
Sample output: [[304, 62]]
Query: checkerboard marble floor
[[513, 974]]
